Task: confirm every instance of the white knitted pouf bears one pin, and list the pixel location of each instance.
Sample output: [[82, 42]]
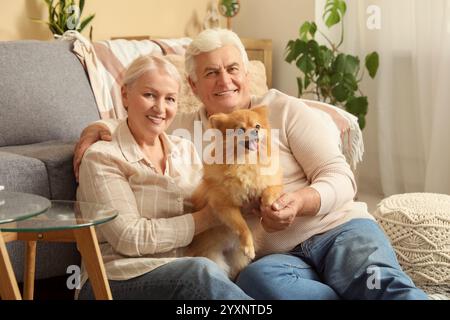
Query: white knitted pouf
[[418, 225]]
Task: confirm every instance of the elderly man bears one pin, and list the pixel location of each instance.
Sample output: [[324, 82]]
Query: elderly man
[[319, 243]]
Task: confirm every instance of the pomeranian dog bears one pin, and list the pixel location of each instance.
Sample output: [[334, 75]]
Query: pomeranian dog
[[243, 169]]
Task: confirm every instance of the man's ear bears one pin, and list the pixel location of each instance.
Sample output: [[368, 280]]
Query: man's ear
[[248, 75], [192, 85]]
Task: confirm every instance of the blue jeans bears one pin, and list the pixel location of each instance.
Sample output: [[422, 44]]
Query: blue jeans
[[352, 261], [183, 279]]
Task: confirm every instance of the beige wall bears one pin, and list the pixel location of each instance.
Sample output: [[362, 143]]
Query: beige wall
[[113, 18], [280, 21]]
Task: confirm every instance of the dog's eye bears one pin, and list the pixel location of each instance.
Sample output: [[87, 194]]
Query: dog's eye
[[258, 127], [240, 131]]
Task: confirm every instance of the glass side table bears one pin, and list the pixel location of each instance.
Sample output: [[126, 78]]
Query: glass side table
[[15, 206], [65, 221]]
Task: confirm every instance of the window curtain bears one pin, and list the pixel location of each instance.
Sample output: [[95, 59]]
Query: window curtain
[[408, 126]]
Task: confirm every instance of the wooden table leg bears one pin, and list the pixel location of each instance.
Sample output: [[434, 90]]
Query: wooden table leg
[[93, 261], [30, 268], [8, 283]]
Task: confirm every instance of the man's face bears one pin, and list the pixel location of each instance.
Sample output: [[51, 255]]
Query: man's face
[[222, 82]]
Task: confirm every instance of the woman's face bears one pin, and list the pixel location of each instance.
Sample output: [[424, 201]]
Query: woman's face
[[152, 102]]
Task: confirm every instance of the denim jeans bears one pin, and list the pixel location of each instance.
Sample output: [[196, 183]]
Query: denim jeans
[[183, 279], [352, 261]]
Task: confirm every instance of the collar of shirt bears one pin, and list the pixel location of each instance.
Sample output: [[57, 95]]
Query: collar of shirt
[[204, 114], [131, 150]]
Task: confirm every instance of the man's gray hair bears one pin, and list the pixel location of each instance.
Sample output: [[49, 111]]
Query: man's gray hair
[[209, 40]]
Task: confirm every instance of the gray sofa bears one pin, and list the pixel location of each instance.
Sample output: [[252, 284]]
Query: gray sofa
[[45, 102]]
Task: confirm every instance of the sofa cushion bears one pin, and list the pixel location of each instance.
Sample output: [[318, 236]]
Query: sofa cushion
[[23, 174], [56, 156], [45, 93]]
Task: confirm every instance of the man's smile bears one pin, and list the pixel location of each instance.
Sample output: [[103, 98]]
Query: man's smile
[[226, 92]]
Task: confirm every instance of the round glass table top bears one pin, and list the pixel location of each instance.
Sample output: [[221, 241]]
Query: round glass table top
[[17, 206], [63, 215]]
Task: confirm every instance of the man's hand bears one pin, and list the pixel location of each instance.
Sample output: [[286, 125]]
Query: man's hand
[[282, 213], [88, 137]]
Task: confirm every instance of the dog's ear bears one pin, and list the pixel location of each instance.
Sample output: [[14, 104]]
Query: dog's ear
[[216, 120], [261, 111]]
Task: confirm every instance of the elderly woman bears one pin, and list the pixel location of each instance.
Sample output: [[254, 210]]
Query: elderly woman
[[148, 176]]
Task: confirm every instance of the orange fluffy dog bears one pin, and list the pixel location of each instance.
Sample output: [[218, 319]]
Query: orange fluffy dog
[[238, 174]]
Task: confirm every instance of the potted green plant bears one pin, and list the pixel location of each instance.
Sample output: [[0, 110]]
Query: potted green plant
[[331, 75], [64, 15]]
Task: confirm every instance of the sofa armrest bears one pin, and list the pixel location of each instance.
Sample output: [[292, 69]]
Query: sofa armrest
[[351, 140]]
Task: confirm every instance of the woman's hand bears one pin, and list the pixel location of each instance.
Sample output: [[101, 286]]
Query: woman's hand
[[251, 207], [89, 136], [204, 219]]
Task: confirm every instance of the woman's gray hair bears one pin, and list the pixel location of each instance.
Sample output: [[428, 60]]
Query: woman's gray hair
[[146, 63], [209, 40]]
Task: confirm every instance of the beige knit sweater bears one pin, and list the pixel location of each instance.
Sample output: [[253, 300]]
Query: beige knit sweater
[[309, 156]]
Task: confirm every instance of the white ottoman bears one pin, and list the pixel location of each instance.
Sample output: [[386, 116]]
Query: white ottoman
[[418, 226]]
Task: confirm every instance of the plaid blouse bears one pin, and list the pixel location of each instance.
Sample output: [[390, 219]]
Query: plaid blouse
[[154, 218]]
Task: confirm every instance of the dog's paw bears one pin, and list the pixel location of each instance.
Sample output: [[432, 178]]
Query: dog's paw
[[270, 195], [249, 251]]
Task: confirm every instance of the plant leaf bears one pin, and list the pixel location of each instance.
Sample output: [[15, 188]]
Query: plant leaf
[[357, 105], [349, 82], [81, 6], [305, 64], [326, 56], [313, 29], [300, 86], [294, 49], [351, 64], [340, 92], [313, 48], [361, 121], [323, 81], [304, 30], [56, 28], [339, 63], [335, 78], [307, 28], [307, 81], [332, 19], [372, 63], [85, 22], [334, 12], [290, 51]]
